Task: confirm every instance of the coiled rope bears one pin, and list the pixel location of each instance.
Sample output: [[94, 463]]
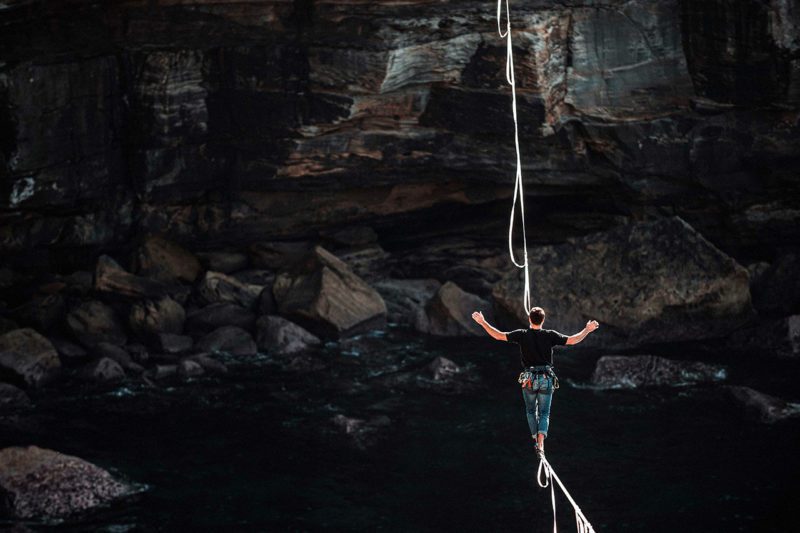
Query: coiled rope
[[519, 194], [545, 469]]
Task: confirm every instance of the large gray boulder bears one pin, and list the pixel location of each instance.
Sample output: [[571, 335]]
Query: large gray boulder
[[763, 407], [148, 318], [321, 293], [217, 287], [228, 339], [406, 299], [93, 322], [43, 484], [632, 371], [279, 336], [449, 313], [27, 356], [647, 282]]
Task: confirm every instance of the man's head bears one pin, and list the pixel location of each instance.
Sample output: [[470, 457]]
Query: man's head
[[536, 316]]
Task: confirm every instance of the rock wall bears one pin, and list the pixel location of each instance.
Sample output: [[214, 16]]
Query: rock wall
[[224, 123]]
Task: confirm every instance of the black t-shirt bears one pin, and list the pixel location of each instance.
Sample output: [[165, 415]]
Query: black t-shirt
[[536, 345]]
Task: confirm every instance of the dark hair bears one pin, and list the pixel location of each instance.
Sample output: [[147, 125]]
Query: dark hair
[[537, 316]]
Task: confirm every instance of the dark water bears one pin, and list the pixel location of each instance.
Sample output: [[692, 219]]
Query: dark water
[[256, 450]]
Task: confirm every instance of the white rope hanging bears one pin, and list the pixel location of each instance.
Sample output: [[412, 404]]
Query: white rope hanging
[[550, 476], [519, 195]]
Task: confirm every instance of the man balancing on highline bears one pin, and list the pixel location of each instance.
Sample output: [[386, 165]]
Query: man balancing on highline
[[537, 378]]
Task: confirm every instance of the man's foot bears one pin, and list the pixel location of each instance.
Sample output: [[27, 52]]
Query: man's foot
[[539, 451]]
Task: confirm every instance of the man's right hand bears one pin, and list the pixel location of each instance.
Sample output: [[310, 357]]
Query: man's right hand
[[477, 316]]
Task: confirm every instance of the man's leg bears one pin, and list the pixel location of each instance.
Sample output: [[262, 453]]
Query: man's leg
[[543, 401], [530, 410]]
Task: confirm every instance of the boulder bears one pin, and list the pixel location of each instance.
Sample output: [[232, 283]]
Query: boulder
[[449, 313], [161, 259], [279, 336], [188, 368], [363, 433], [763, 407], [92, 322], [171, 344], [148, 318], [217, 287], [631, 371], [321, 293], [442, 369], [26, 356], [111, 278], [217, 315], [225, 262], [103, 370], [406, 299], [105, 350], [67, 350], [278, 255], [228, 339], [43, 484], [12, 398], [209, 364], [647, 282]]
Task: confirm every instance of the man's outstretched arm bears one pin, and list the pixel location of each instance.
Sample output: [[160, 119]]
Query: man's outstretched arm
[[578, 337], [477, 316]]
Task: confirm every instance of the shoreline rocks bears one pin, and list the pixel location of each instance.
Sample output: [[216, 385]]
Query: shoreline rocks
[[28, 357], [767, 409], [634, 371]]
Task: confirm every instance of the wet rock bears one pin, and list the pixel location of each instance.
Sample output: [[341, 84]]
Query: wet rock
[[406, 299], [225, 262], [28, 357], [777, 291], [763, 407], [278, 255], [228, 339], [631, 371], [217, 287], [279, 336], [188, 368], [150, 318], [159, 372], [171, 344], [217, 315], [164, 260], [103, 370], [209, 364], [321, 293], [67, 350], [657, 281], [42, 311], [449, 313], [105, 350], [12, 398], [112, 279], [442, 369], [363, 433], [93, 322], [44, 484]]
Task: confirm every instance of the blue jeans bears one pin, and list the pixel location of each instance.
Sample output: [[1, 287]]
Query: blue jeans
[[537, 403]]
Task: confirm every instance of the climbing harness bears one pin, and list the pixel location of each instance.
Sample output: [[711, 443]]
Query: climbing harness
[[527, 378], [545, 475], [519, 194], [550, 476]]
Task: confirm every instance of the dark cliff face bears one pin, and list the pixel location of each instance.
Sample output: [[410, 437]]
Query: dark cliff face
[[226, 123]]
